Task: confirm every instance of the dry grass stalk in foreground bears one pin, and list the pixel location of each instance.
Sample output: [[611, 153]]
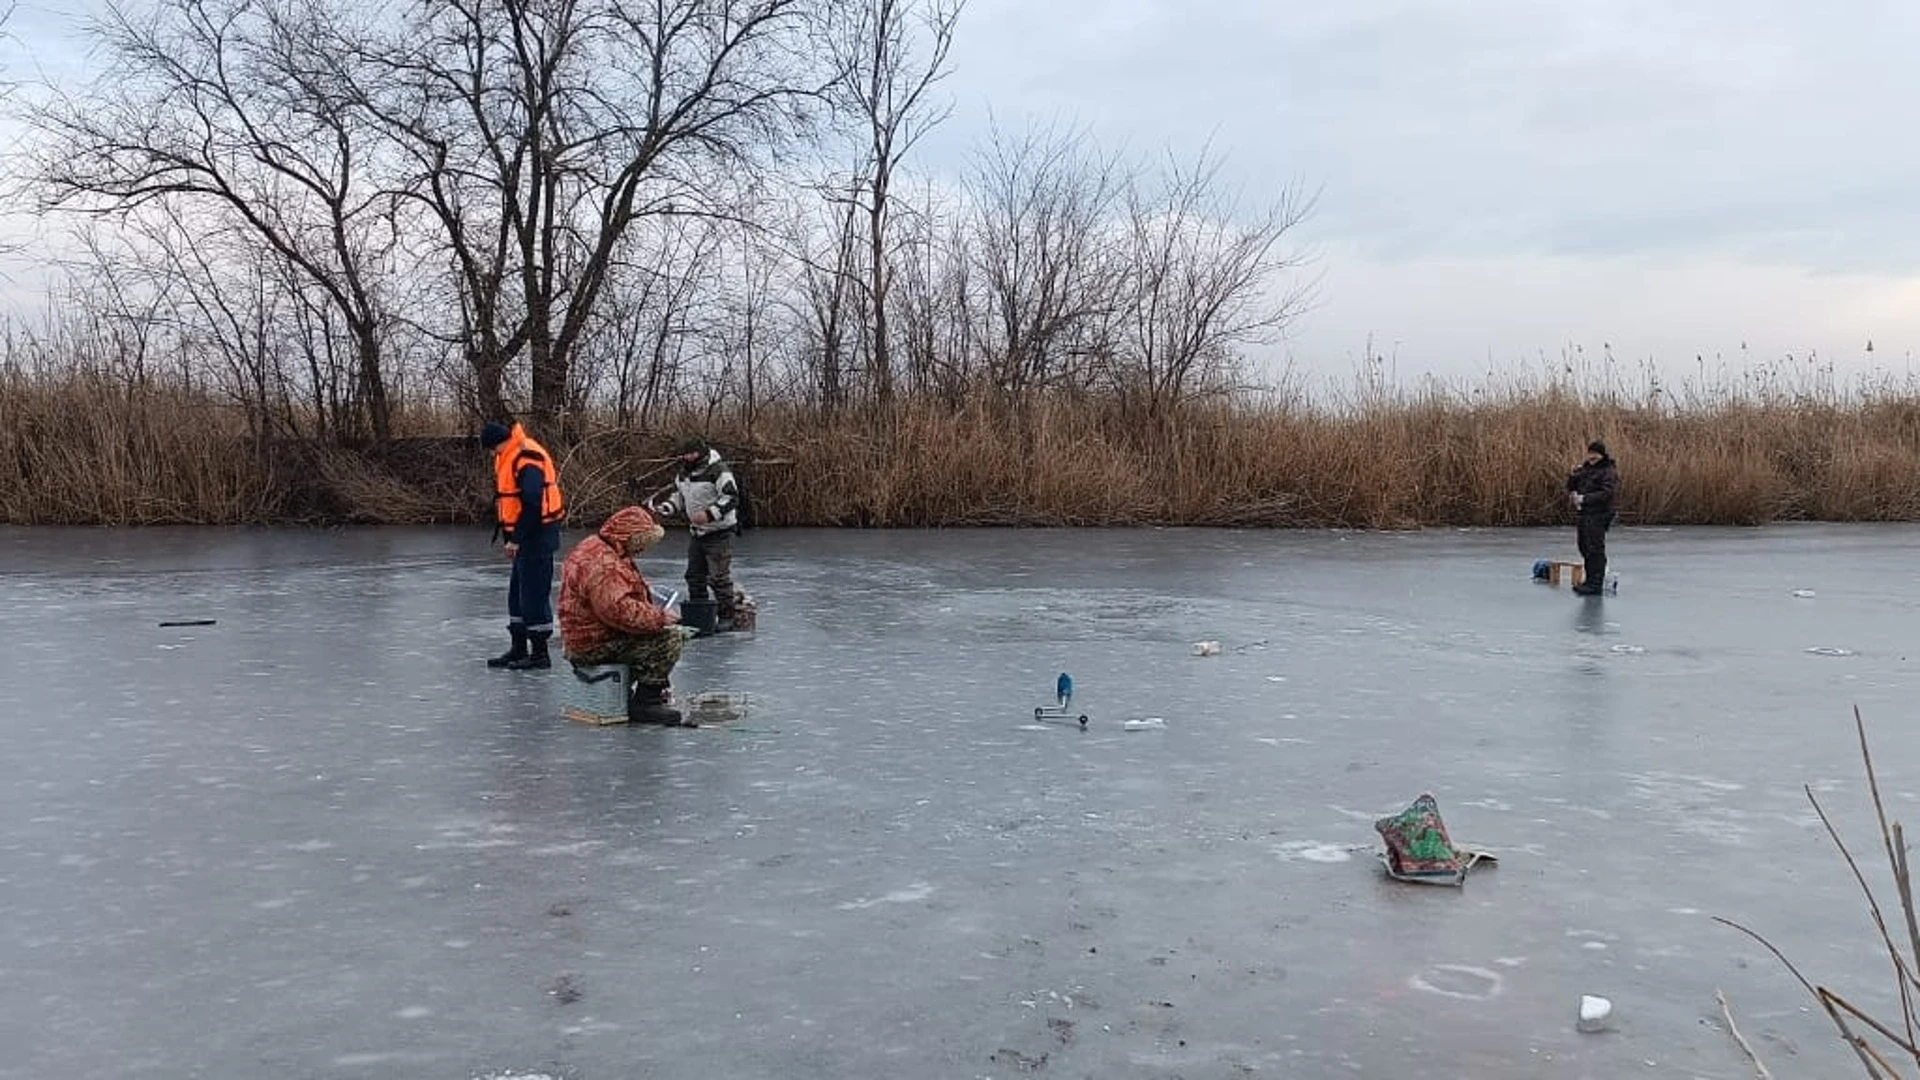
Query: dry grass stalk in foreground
[[1872, 1040], [1760, 1070]]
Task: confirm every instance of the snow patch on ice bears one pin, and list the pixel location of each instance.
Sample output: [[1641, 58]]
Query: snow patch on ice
[[1461, 981], [912, 894], [1314, 851]]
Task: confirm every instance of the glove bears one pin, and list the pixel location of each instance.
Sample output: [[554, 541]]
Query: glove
[[1576, 497]]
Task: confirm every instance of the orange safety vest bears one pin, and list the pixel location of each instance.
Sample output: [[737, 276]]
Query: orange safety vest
[[515, 454]]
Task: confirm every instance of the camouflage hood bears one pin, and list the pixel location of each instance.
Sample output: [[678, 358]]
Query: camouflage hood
[[632, 525]]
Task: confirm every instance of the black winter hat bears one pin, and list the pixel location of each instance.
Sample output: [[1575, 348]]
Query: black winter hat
[[691, 444], [1597, 447], [493, 433]]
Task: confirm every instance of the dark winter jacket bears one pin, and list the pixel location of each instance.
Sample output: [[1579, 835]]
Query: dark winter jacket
[[1597, 485], [527, 531]]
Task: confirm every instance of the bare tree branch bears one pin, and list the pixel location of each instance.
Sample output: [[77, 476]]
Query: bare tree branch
[[213, 112], [537, 133]]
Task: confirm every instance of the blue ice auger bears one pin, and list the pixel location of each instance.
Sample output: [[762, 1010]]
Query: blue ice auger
[[1063, 697]]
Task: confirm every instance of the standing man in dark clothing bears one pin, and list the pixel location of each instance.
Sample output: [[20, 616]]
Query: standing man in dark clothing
[[1592, 488], [530, 507], [707, 495]]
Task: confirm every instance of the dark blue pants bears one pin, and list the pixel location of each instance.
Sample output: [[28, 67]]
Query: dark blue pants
[[530, 590]]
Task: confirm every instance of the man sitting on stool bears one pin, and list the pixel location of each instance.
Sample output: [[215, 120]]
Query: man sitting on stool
[[607, 613]]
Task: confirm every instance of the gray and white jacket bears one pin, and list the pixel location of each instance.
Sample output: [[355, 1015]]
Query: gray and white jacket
[[707, 486]]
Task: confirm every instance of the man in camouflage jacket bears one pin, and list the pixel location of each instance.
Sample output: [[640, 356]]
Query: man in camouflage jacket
[[608, 614]]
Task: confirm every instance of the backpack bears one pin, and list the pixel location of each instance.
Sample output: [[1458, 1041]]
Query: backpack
[[743, 511]]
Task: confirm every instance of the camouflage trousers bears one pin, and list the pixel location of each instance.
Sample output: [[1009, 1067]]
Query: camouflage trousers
[[710, 571], [651, 656]]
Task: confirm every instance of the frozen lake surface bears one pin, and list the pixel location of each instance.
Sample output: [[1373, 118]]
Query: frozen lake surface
[[319, 839]]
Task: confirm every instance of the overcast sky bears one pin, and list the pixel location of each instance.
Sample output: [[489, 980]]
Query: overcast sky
[[1499, 179]]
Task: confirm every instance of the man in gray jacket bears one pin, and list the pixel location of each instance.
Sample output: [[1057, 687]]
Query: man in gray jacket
[[707, 495]]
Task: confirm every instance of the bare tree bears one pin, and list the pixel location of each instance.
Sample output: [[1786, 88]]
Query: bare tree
[[935, 285], [885, 77], [222, 312], [1041, 256], [538, 132], [222, 111], [745, 325], [7, 87], [6, 16], [122, 304], [824, 243], [652, 318], [1197, 283]]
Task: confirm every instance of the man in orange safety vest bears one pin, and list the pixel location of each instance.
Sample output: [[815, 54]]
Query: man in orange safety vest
[[530, 508]]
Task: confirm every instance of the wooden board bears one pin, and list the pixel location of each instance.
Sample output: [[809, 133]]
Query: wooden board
[[582, 716], [1576, 571]]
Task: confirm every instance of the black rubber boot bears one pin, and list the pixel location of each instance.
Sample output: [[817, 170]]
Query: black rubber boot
[[537, 658], [1592, 532], [1595, 579], [514, 655], [649, 705]]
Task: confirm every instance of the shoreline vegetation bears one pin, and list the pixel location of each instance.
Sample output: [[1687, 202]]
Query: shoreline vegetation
[[307, 250], [83, 448]]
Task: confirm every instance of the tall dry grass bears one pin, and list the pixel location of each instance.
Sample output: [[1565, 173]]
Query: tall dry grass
[[79, 449], [82, 448], [1885, 1042]]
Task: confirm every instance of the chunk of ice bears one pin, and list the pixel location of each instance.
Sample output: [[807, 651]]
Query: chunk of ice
[[1594, 1013]]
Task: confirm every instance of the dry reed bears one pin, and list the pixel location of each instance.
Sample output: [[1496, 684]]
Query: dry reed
[[80, 449], [1875, 1042]]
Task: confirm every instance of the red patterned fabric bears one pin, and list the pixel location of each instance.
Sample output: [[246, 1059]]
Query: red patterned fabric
[[603, 596]]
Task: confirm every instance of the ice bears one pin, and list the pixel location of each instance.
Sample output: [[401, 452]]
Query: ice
[[1595, 1012], [1315, 851], [1463, 981], [319, 839], [912, 894]]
